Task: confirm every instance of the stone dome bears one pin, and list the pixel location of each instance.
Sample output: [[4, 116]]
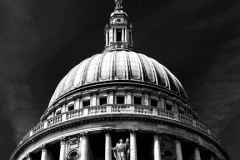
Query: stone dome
[[119, 65]]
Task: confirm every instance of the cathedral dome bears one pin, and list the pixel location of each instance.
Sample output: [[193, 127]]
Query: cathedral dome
[[117, 66]]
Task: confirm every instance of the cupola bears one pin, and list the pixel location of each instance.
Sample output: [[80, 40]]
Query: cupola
[[119, 32]]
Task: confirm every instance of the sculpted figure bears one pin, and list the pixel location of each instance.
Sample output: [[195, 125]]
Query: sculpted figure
[[120, 151], [118, 4]]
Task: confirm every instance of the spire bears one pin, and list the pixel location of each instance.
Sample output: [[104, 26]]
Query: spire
[[118, 32]]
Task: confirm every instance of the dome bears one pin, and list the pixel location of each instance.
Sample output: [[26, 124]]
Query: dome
[[119, 66], [115, 95]]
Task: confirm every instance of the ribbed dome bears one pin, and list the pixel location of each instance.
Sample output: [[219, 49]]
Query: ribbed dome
[[119, 65]]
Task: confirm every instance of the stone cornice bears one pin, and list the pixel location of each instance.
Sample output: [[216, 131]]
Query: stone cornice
[[112, 118]]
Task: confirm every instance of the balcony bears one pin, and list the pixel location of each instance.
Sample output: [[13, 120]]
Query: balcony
[[111, 109]]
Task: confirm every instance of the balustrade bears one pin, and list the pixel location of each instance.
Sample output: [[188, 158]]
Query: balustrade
[[166, 113], [117, 108], [55, 120], [38, 128], [97, 110], [143, 109], [121, 109], [74, 114], [185, 120], [201, 127]]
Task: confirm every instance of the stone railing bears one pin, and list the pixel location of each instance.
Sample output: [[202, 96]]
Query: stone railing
[[117, 108]]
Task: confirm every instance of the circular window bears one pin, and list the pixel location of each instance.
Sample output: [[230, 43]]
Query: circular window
[[73, 155]]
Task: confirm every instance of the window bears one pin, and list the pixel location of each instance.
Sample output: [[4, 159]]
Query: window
[[58, 112], [154, 102], [138, 100], [120, 99], [168, 107], [86, 103], [119, 34], [181, 110], [103, 100], [70, 108]]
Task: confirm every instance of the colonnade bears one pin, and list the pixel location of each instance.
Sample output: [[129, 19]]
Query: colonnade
[[108, 147]]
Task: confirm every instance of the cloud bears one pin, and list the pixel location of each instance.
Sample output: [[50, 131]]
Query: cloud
[[217, 96]]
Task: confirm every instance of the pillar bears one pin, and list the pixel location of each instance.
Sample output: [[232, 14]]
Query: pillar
[[122, 34], [76, 104], [114, 34], [197, 155], [108, 144], [80, 104], [44, 155], [212, 157], [63, 108], [157, 146], [28, 157], [110, 98], [133, 145], [162, 103], [129, 98], [62, 148], [106, 38], [125, 32], [84, 146], [93, 100], [179, 149], [146, 100]]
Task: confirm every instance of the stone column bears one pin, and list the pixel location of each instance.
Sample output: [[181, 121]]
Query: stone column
[[157, 146], [28, 157], [115, 34], [197, 155], [178, 149], [44, 155], [84, 146], [128, 98], [162, 103], [108, 144], [110, 98], [133, 145], [77, 104], [62, 148], [125, 32], [146, 100], [122, 34], [106, 38], [63, 108], [212, 157]]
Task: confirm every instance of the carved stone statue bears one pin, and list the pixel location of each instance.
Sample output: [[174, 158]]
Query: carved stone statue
[[118, 4], [121, 151]]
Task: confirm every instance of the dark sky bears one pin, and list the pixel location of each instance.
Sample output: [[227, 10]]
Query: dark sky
[[197, 40]]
